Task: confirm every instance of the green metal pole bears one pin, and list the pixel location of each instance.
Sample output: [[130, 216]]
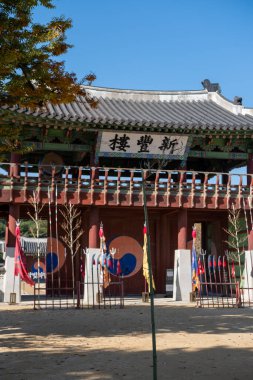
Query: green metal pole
[[152, 309]]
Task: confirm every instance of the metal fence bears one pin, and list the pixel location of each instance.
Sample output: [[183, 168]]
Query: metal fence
[[223, 282], [83, 295]]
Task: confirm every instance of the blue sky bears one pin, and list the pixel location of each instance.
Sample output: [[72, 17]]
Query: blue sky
[[161, 44]]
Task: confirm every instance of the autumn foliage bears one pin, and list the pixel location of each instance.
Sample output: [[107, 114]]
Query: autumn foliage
[[30, 73]]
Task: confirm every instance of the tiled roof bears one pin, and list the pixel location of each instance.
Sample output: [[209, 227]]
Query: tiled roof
[[151, 109]]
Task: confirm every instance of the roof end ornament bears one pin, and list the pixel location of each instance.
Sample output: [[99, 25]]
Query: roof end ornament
[[237, 100], [211, 87]]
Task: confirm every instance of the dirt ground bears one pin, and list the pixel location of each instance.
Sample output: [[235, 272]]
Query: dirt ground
[[192, 343]]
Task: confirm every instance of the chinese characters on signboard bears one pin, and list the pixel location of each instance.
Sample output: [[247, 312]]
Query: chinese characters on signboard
[[120, 144]]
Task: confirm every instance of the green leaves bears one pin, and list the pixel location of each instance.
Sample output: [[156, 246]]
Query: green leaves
[[29, 74]]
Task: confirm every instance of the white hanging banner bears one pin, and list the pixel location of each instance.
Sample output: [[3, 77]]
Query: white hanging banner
[[143, 145]]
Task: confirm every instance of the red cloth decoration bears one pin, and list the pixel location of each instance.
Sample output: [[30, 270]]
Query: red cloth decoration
[[201, 269], [101, 231], [233, 269], [19, 266], [118, 268], [225, 264], [23, 257], [110, 263], [194, 233]]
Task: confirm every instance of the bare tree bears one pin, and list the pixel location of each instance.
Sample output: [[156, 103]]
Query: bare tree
[[37, 207], [73, 231], [35, 217], [236, 237]]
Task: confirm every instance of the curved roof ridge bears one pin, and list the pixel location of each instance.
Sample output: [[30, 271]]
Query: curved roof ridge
[[141, 91], [223, 102], [145, 95], [168, 96]]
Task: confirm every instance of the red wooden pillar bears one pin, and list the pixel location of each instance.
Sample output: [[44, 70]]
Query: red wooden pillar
[[13, 217], [165, 252], [13, 208], [250, 240], [11, 284], [182, 229], [158, 271], [93, 227], [15, 159], [79, 254]]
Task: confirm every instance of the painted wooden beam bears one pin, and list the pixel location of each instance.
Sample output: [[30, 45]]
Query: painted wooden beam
[[58, 147], [219, 155]]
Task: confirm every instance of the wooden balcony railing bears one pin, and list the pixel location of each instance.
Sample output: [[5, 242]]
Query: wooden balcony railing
[[123, 187]]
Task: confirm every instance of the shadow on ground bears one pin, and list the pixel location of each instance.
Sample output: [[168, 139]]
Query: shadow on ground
[[91, 344]]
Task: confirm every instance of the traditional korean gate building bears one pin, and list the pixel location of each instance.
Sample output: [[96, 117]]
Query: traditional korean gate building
[[92, 157]]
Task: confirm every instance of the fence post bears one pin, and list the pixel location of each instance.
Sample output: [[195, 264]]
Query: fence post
[[238, 295], [78, 294]]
